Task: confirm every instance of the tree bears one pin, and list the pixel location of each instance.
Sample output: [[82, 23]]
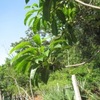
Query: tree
[[67, 21], [13, 84]]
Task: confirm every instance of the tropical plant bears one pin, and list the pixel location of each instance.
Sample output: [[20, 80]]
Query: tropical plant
[[61, 32], [66, 22]]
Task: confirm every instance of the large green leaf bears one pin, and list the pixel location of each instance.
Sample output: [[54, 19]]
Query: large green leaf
[[54, 26], [58, 46], [17, 60], [61, 16], [19, 46], [24, 65], [27, 7], [39, 58], [34, 5], [30, 12], [46, 53], [37, 39], [30, 51], [47, 9], [36, 80], [40, 3], [20, 66], [26, 68], [71, 34], [44, 23], [54, 43], [27, 16], [36, 24], [45, 75], [70, 42], [30, 21], [26, 1], [41, 49]]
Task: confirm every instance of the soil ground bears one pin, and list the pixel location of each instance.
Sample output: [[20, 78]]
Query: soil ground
[[38, 97]]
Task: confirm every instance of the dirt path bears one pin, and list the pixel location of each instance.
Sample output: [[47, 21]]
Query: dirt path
[[38, 97]]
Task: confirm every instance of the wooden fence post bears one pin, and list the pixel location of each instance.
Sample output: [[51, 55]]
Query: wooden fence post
[[76, 89]]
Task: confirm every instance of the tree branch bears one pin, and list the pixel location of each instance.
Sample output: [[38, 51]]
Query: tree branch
[[79, 64], [76, 65], [88, 5]]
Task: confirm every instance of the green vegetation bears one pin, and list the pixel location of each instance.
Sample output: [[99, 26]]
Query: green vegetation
[[63, 39]]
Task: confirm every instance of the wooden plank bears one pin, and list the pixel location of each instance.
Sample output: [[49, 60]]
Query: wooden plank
[[0, 96], [76, 89]]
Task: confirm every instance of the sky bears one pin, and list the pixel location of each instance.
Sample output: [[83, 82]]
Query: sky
[[12, 28]]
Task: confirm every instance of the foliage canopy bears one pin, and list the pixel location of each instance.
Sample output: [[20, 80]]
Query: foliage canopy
[[66, 25]]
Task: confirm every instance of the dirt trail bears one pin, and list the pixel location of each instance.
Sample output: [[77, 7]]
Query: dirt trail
[[38, 97]]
